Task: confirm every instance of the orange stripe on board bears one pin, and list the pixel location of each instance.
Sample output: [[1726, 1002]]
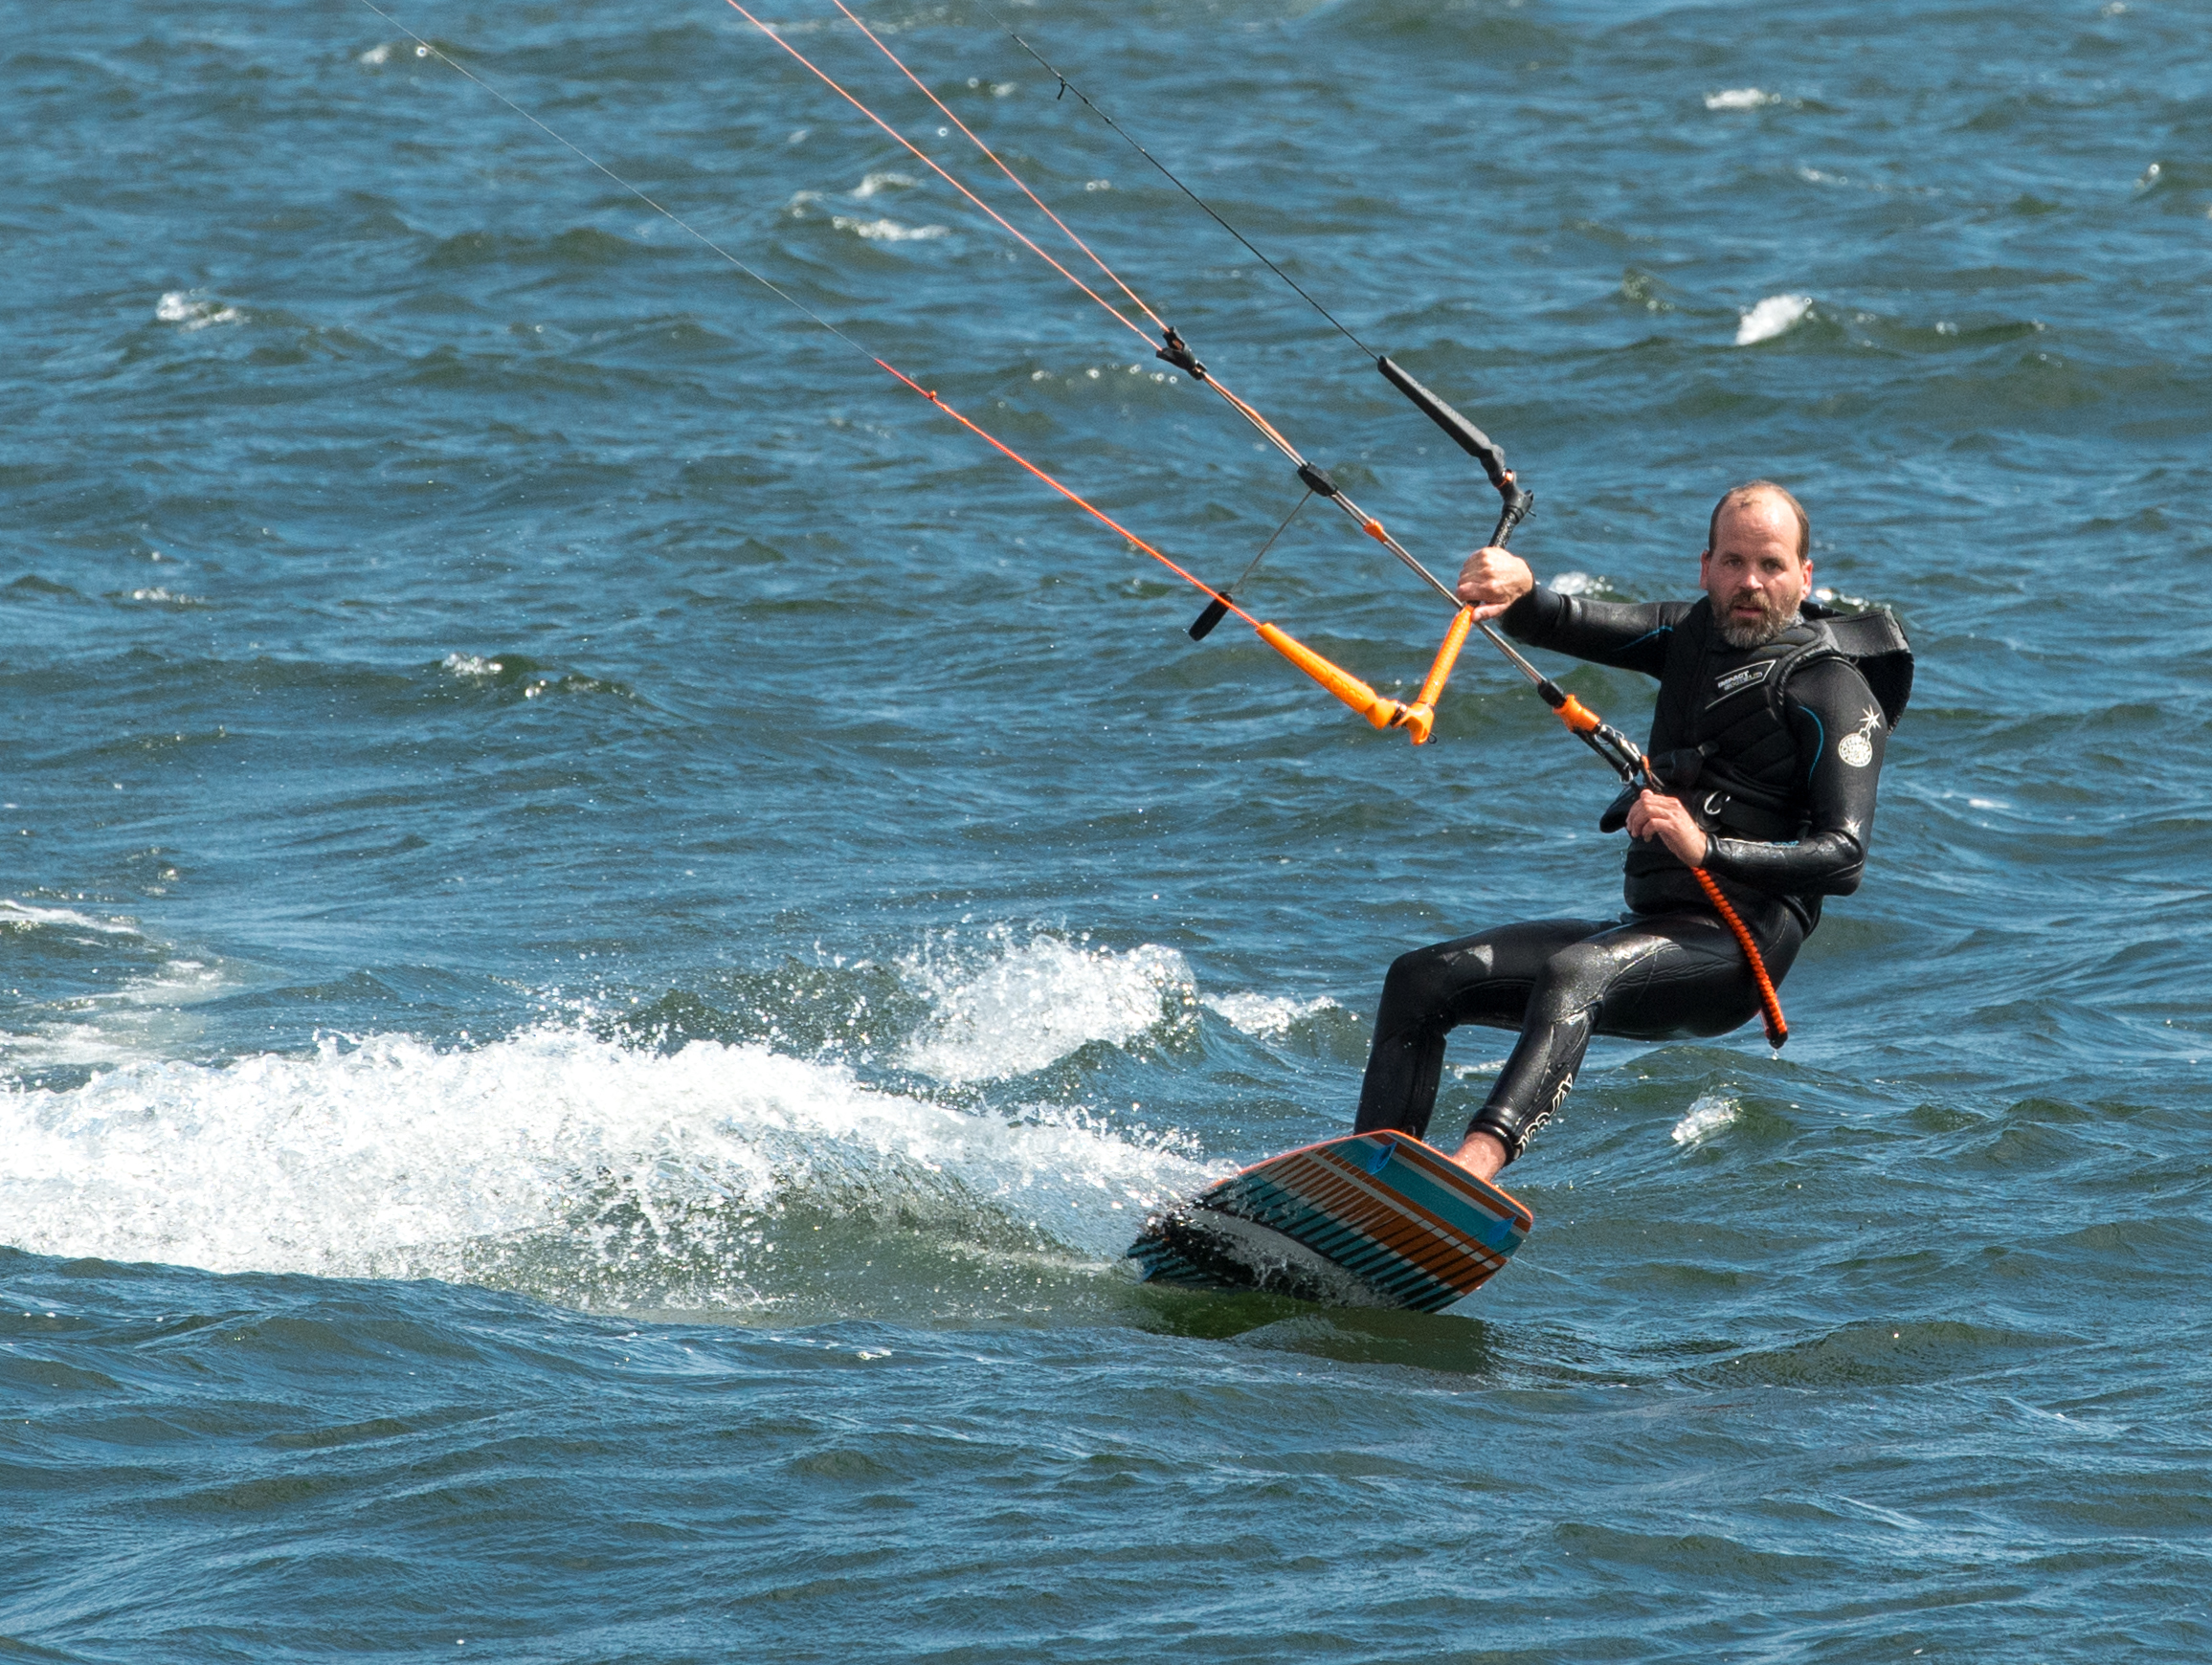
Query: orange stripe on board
[[1402, 1143], [1404, 1229], [1448, 1263], [1449, 1174], [1430, 1221], [1419, 1240], [1419, 1224]]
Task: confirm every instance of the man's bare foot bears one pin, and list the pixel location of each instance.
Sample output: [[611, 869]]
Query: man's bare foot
[[1481, 1154]]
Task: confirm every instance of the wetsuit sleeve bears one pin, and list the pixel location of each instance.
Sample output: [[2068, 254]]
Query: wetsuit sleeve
[[1629, 636], [1840, 734]]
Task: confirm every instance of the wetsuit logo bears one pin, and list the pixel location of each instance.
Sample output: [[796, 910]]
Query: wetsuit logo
[[1858, 749], [1745, 678]]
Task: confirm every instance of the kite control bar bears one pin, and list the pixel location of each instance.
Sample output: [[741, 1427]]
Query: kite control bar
[[1417, 718], [1421, 716]]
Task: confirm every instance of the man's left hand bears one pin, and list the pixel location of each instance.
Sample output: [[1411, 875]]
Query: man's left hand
[[1671, 822]]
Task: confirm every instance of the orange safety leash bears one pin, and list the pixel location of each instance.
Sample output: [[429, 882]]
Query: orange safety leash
[[1770, 1003], [1635, 769]]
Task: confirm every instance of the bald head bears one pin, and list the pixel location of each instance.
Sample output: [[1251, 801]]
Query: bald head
[[1760, 491]]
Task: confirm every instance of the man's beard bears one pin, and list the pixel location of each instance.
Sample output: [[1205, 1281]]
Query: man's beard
[[1755, 633]]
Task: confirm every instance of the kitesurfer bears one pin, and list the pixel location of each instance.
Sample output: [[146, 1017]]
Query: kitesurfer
[[1772, 716]]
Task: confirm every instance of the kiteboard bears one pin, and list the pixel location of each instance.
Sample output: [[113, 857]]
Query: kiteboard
[[1371, 1219]]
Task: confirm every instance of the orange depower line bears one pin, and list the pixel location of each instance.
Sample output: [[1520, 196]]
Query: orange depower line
[[1198, 371]]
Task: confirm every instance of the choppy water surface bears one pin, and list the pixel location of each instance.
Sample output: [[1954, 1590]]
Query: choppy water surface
[[609, 922]]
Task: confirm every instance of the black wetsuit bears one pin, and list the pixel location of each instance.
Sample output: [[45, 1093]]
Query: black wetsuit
[[1776, 749]]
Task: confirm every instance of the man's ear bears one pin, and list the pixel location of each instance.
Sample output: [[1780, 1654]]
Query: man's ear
[[1704, 568]]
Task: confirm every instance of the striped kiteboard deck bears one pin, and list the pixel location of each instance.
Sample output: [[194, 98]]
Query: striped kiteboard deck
[[1371, 1219]]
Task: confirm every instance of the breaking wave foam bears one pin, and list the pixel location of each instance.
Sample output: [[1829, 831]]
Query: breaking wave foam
[[1034, 1004], [889, 230], [1267, 1014], [182, 306], [554, 1160], [138, 1003], [881, 181], [24, 917]]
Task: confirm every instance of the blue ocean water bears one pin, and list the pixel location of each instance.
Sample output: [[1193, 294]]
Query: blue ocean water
[[609, 922]]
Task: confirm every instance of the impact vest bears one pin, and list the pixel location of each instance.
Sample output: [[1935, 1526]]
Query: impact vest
[[1720, 735]]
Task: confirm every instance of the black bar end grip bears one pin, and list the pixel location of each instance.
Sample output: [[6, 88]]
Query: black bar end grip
[[1315, 480], [1215, 612], [1464, 433], [1519, 504]]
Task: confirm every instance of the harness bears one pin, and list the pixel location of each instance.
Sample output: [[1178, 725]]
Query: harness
[[1720, 734]]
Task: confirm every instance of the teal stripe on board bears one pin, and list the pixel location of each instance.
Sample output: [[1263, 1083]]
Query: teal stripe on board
[[1416, 1185]]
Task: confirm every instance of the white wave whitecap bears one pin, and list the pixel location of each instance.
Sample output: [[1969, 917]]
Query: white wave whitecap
[[889, 230], [23, 915], [882, 180], [140, 1005], [1740, 99], [1707, 1115], [180, 307], [1776, 315]]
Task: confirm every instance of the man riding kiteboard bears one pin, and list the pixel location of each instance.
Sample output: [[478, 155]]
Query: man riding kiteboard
[[1772, 716]]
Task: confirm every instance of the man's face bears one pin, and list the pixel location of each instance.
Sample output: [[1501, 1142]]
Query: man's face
[[1752, 572]]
